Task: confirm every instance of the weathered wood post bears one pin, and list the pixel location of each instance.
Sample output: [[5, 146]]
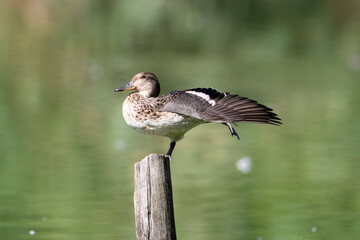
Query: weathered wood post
[[153, 199]]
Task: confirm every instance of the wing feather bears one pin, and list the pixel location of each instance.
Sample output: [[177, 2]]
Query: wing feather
[[212, 106]]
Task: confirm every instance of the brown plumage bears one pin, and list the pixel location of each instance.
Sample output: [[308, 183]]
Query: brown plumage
[[228, 108], [173, 114]]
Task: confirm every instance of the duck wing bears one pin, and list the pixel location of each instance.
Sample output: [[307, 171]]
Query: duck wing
[[211, 105]]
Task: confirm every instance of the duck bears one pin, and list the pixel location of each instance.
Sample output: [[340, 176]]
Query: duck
[[172, 115]]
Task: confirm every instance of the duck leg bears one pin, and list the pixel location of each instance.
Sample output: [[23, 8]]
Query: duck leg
[[232, 130], [172, 146]]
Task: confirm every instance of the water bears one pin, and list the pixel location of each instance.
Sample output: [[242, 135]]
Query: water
[[68, 174], [67, 156]]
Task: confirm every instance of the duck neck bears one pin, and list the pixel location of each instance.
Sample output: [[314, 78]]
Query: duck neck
[[151, 92]]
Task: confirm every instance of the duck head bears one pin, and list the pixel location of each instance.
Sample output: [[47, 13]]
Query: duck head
[[145, 83]]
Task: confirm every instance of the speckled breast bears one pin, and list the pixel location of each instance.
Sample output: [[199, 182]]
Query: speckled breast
[[141, 115]]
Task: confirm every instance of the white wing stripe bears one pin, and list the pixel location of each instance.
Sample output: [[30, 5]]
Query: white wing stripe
[[204, 96]]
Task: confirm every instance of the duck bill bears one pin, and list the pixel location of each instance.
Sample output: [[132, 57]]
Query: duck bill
[[125, 88]]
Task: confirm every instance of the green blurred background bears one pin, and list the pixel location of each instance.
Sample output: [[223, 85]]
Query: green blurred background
[[67, 156]]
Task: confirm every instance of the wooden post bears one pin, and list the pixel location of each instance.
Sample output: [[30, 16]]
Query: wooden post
[[153, 200]]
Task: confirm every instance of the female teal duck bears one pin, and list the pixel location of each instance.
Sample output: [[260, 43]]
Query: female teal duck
[[173, 114]]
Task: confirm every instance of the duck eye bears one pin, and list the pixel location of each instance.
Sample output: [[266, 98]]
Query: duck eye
[[143, 76]]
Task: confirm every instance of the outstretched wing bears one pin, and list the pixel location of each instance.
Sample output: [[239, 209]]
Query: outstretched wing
[[212, 106]]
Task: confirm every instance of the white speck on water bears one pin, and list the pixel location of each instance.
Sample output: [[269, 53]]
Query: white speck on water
[[244, 164], [120, 144], [32, 232], [94, 69], [354, 61], [313, 229]]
